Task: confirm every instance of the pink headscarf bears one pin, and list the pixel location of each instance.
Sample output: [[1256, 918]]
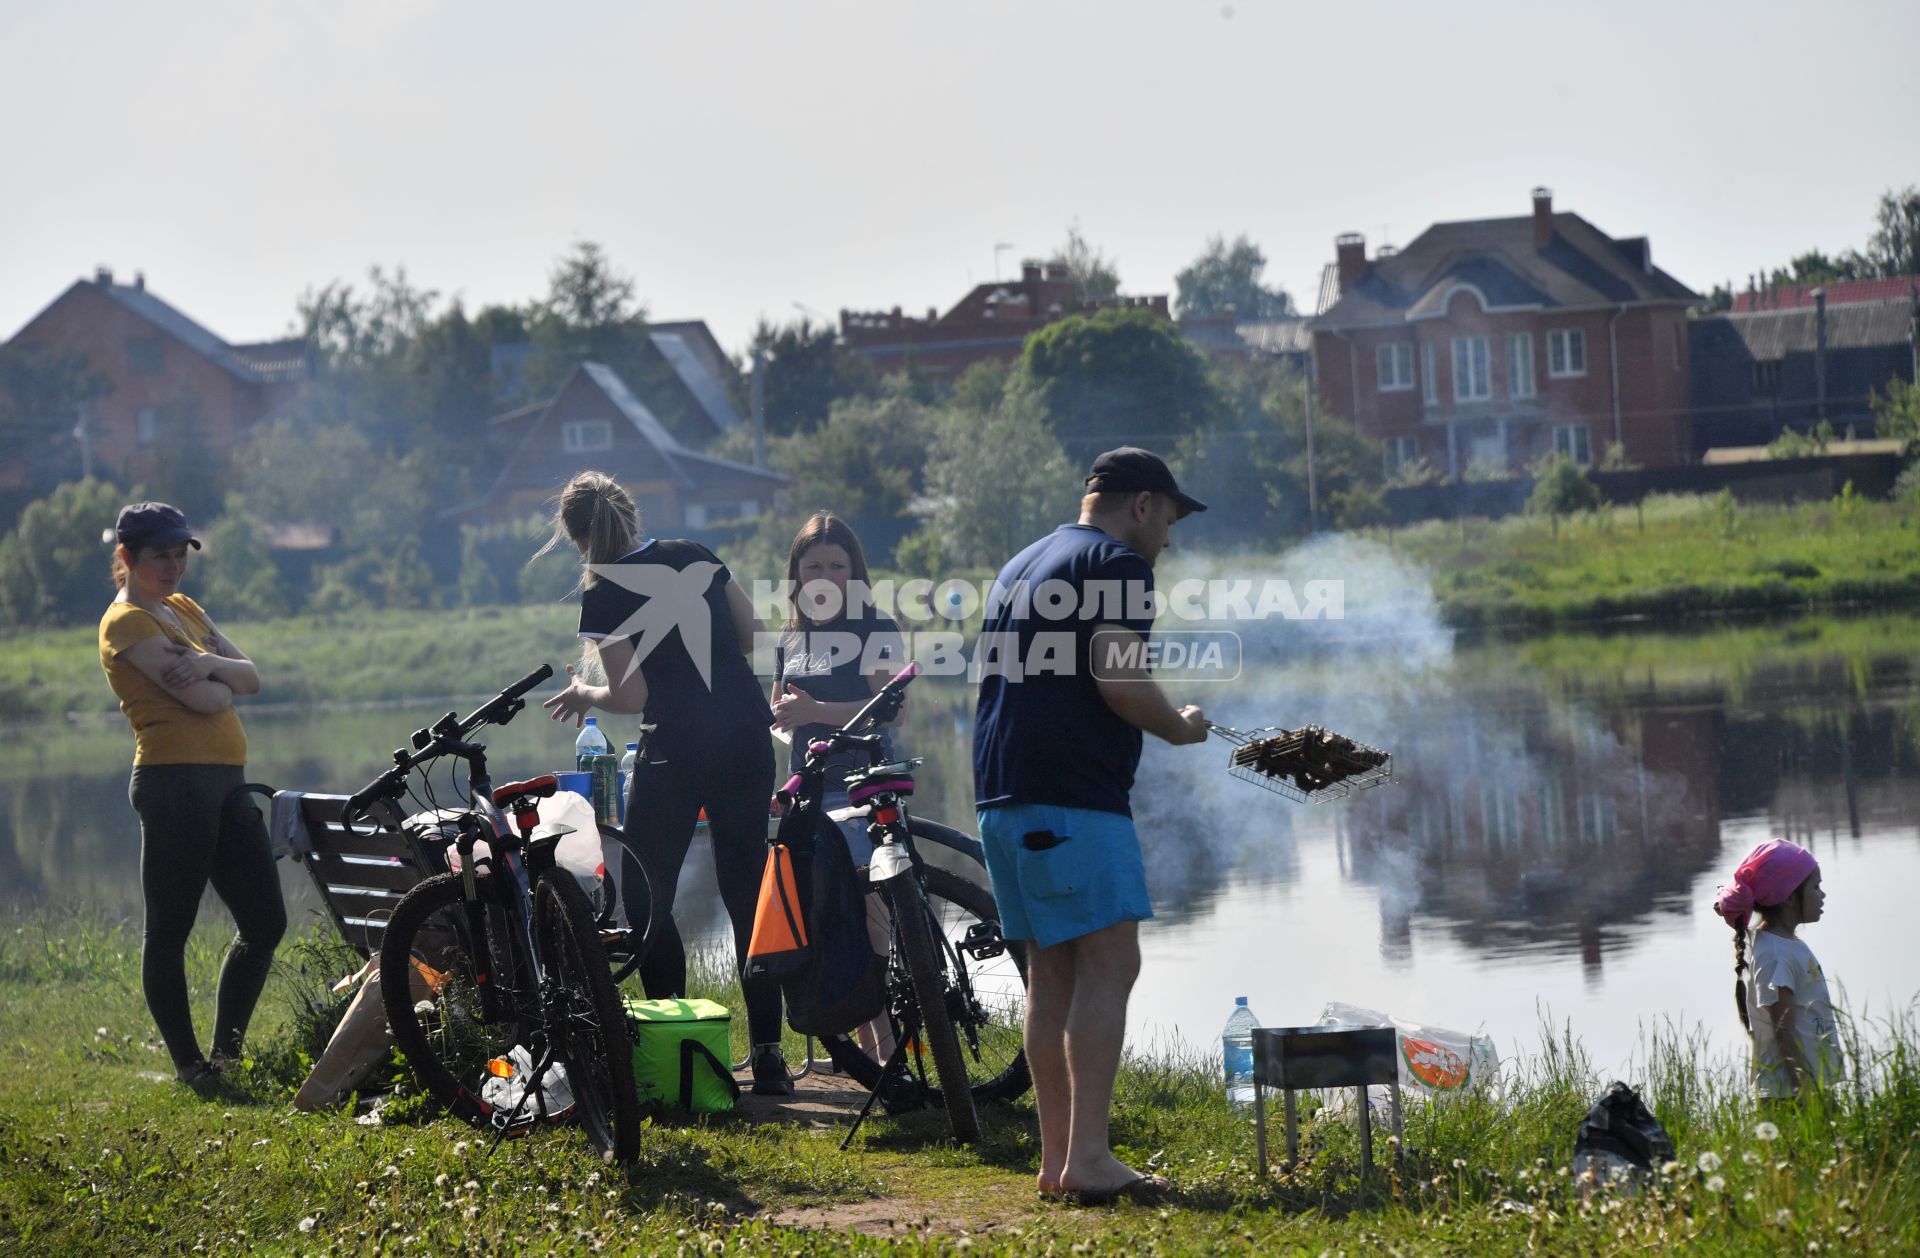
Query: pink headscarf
[[1769, 874]]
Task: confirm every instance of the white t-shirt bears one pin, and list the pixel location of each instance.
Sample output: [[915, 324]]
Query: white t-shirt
[[1775, 962]]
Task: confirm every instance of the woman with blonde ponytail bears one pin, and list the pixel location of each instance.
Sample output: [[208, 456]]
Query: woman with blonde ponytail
[[671, 632]]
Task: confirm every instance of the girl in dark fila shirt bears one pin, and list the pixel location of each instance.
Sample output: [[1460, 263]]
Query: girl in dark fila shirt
[[672, 631]]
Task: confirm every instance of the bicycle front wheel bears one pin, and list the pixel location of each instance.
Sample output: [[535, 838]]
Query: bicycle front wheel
[[927, 970], [585, 1020], [992, 978], [433, 962]]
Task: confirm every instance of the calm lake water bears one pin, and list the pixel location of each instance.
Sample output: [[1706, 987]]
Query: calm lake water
[[1546, 852]]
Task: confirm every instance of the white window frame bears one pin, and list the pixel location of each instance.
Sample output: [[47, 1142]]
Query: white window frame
[[1561, 346], [696, 515], [586, 436], [1472, 366], [1520, 379], [146, 426], [1400, 452], [1429, 377], [1575, 441], [1393, 366]]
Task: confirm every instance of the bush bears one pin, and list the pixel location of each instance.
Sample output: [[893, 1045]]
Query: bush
[[54, 567], [494, 564], [1561, 488], [238, 579]]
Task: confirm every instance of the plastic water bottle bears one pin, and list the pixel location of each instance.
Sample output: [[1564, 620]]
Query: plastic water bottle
[[593, 754], [626, 761], [1236, 1052]]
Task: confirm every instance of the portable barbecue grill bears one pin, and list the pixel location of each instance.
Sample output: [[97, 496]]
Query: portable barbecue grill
[[1310, 764]]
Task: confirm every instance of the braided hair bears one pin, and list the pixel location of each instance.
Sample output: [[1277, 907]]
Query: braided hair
[[1740, 976]]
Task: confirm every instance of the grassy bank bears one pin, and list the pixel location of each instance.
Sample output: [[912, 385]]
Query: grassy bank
[[1671, 559], [96, 1158]]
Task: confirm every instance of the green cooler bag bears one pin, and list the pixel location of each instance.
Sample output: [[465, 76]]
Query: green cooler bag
[[680, 1054]]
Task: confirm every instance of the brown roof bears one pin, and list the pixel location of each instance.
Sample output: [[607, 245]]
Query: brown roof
[[1581, 266]]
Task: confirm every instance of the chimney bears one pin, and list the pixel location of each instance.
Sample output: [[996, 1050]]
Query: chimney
[[140, 281], [1030, 271], [1057, 272], [103, 276], [1350, 254], [1820, 349], [1542, 217]]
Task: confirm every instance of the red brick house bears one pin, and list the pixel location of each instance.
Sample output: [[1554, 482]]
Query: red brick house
[[596, 422], [1493, 342], [169, 380], [990, 324]]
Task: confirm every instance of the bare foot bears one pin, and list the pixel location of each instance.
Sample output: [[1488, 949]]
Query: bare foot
[[1048, 1182], [1098, 1175]]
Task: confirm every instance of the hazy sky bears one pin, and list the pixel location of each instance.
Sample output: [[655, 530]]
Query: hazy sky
[[739, 158]]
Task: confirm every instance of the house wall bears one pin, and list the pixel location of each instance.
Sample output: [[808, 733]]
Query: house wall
[[1653, 390], [188, 393]]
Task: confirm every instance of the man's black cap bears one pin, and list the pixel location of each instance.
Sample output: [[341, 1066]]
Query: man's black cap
[[153, 526], [1129, 470]]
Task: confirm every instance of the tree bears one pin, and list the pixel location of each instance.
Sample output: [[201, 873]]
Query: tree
[[808, 370], [866, 461], [1560, 488], [1118, 376], [590, 314], [1096, 277], [1894, 247], [54, 566], [238, 578], [998, 481], [1898, 413], [43, 393], [1229, 275]]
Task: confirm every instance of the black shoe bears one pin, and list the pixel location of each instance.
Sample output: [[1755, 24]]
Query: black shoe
[[204, 1079], [770, 1072]]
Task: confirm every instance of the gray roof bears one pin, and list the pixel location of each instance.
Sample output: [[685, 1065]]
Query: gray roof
[[1581, 266], [693, 373], [1773, 334], [648, 425], [1277, 336], [196, 338]]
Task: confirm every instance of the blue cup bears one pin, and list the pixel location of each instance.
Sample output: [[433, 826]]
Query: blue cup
[[579, 783]]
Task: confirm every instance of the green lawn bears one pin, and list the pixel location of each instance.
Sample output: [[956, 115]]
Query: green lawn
[[1672, 559], [97, 1158]]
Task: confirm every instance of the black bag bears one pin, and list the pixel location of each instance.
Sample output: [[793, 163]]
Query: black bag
[[838, 983], [1620, 1137]]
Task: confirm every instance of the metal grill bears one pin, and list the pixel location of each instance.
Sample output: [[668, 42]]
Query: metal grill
[[1298, 783]]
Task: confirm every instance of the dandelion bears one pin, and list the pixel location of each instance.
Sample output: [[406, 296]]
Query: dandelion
[[1782, 1217], [1669, 1168], [593, 1177], [1459, 1164], [440, 1180], [1765, 1131], [469, 1212], [101, 1033], [306, 1224], [1750, 1158], [391, 1172], [1708, 1162], [459, 1148], [1716, 1183]]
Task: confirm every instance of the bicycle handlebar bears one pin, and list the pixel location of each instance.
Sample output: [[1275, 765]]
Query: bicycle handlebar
[[436, 741]]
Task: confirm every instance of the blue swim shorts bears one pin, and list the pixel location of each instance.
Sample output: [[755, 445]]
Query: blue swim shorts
[[1086, 877]]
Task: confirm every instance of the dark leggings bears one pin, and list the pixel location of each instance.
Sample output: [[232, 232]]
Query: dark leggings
[[194, 830], [731, 778]]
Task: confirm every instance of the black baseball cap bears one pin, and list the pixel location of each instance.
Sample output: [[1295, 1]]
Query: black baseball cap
[[154, 525], [1131, 470]]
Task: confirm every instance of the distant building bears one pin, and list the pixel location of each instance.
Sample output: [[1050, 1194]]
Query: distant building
[[169, 380], [1837, 292], [596, 422], [687, 383], [990, 324], [1497, 341], [1229, 341], [1792, 365]]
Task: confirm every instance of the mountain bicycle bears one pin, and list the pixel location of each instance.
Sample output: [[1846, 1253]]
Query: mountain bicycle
[[503, 958], [956, 989]]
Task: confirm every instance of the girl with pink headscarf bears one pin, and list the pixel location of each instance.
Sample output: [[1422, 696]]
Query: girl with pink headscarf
[[1796, 1044]]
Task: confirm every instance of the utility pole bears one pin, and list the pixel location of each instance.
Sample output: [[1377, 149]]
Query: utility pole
[[1313, 500]]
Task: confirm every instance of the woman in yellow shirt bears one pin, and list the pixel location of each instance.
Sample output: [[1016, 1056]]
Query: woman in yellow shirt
[[176, 676]]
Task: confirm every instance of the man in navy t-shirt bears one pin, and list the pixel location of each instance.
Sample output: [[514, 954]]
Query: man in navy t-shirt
[[1065, 695]]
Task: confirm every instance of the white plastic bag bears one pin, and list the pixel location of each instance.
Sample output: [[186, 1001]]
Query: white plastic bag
[[1434, 1062], [556, 1094]]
